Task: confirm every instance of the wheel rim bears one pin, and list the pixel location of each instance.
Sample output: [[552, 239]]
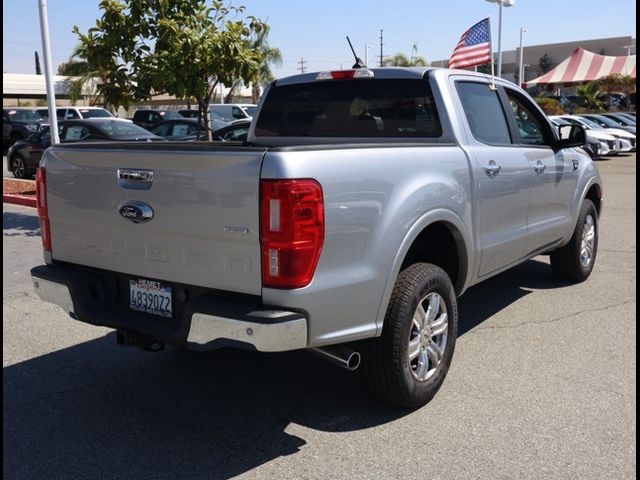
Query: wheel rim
[[18, 167], [428, 337], [588, 244]]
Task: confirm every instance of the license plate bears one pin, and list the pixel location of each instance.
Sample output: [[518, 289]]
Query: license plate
[[149, 296]]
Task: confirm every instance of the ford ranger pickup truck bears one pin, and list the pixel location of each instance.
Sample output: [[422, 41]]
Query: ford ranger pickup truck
[[362, 204]]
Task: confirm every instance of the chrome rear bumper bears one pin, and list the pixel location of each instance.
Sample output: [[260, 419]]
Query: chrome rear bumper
[[225, 323]]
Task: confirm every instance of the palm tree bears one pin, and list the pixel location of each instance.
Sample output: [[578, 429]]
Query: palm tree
[[618, 82], [590, 93], [401, 60], [272, 57], [78, 67]]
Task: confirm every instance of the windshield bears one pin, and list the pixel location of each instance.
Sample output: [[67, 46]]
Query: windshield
[[604, 121], [590, 123], [622, 121], [350, 108], [116, 128], [25, 115], [170, 115], [95, 113], [251, 111]]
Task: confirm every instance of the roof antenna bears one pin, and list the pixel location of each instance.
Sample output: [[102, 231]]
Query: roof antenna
[[359, 63]]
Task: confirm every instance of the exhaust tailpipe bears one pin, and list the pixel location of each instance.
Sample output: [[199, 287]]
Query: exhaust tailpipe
[[339, 355]]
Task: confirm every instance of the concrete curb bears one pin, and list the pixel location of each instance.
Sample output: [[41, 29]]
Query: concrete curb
[[24, 200]]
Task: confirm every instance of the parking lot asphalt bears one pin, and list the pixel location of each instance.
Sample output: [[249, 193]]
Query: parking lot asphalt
[[542, 386]]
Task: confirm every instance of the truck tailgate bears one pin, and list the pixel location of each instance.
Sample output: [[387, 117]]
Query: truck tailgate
[[205, 202]]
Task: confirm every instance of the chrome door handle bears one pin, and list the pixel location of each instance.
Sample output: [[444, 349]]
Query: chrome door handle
[[492, 168], [135, 179], [539, 167]]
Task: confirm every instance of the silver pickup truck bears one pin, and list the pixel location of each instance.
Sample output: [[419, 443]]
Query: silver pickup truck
[[363, 203]]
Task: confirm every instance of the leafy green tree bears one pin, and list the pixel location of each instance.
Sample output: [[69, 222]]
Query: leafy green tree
[[183, 48], [37, 60], [401, 60], [590, 94], [545, 64]]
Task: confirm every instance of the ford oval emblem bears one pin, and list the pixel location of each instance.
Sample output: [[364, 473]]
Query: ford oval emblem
[[137, 212]]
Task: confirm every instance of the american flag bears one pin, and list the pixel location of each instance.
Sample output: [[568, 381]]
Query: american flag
[[474, 47]]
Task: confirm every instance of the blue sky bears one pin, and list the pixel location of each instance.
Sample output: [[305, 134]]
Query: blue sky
[[315, 30]]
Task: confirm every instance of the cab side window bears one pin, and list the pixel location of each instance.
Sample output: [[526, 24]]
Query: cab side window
[[484, 112], [528, 122], [71, 114]]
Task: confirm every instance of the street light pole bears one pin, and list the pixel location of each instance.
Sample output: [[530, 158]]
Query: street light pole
[[521, 66], [501, 3]]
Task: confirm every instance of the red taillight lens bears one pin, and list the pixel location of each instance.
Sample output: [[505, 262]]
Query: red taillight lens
[[291, 231], [42, 206]]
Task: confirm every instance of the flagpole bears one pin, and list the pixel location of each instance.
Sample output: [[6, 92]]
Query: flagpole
[[48, 75], [493, 78]]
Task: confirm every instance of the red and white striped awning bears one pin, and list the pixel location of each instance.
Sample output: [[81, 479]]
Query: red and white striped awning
[[584, 66]]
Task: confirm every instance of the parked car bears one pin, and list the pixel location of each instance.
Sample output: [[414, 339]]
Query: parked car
[[24, 156], [216, 121], [621, 119], [22, 122], [598, 143], [625, 141], [236, 132], [180, 129], [234, 111], [606, 123], [364, 204], [6, 135], [74, 113], [147, 118], [613, 100]]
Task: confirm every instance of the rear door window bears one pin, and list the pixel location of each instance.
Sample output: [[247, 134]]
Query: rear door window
[[402, 108], [180, 130], [484, 112], [532, 129]]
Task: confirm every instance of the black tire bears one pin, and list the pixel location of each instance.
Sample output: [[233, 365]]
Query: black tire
[[19, 167], [386, 364], [567, 262]]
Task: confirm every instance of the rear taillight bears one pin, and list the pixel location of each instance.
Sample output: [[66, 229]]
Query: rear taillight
[[291, 231], [43, 208]]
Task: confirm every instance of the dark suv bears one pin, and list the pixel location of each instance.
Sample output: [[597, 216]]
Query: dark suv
[[22, 123], [148, 118]]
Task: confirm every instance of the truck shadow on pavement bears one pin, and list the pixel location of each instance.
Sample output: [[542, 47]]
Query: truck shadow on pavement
[[17, 224], [95, 410]]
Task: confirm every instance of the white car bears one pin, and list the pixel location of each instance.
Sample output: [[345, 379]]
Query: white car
[[76, 113], [599, 143], [626, 140]]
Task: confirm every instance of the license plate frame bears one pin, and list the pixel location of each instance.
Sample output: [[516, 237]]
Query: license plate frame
[[151, 297]]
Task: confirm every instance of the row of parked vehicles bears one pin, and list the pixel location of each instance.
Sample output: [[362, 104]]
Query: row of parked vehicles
[[607, 133], [26, 132]]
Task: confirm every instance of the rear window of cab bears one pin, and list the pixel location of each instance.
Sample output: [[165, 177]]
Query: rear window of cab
[[401, 108]]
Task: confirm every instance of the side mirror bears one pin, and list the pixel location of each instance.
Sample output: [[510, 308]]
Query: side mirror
[[571, 136]]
